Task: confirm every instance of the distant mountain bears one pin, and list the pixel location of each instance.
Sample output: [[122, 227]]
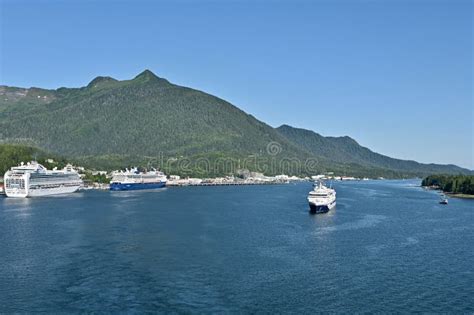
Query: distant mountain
[[146, 115], [111, 123], [125, 120], [347, 150]]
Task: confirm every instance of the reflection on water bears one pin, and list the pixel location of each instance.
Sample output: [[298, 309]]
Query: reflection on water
[[127, 195], [20, 207], [365, 222], [410, 241], [10, 203], [323, 220]]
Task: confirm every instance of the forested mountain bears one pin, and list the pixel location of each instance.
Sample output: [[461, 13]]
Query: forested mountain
[[456, 184], [114, 123], [146, 115], [111, 123], [347, 150]]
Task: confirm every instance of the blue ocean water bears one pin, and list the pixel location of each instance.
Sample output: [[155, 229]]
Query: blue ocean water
[[388, 246]]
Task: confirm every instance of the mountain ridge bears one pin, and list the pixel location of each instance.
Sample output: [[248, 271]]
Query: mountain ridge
[[149, 116], [345, 148]]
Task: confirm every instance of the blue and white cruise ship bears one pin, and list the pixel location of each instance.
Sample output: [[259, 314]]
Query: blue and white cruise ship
[[321, 199], [135, 180]]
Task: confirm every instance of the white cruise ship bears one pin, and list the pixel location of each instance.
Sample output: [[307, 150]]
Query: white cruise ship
[[321, 199], [135, 180], [34, 180]]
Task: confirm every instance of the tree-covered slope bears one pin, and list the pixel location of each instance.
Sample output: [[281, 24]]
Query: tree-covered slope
[[146, 116], [456, 184], [347, 150], [111, 123], [13, 155]]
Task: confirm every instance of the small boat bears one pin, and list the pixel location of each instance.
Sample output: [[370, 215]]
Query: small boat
[[444, 201]]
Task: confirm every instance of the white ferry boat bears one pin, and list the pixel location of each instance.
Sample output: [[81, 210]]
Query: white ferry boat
[[135, 180], [443, 200], [34, 180], [321, 199]]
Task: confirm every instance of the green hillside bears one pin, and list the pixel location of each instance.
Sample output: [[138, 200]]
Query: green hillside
[[347, 150], [119, 122], [13, 155], [455, 184], [146, 115], [148, 120]]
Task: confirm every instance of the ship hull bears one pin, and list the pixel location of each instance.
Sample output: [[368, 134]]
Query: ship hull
[[52, 191], [16, 193], [321, 208], [40, 192], [136, 186]]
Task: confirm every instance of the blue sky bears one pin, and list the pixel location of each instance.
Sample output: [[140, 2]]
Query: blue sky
[[394, 75]]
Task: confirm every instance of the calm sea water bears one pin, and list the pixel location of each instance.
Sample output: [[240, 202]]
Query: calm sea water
[[388, 246]]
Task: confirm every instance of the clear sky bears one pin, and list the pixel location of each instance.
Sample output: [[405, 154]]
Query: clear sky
[[394, 75]]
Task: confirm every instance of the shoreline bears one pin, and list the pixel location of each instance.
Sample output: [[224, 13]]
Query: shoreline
[[460, 196], [453, 195], [449, 194]]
